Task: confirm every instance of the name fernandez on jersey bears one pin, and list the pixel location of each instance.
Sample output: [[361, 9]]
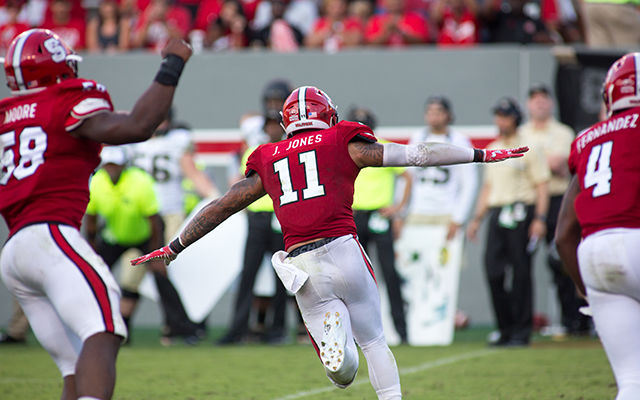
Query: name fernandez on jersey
[[613, 125], [20, 112]]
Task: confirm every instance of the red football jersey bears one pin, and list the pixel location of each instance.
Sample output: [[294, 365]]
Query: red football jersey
[[45, 170], [605, 159], [310, 179]]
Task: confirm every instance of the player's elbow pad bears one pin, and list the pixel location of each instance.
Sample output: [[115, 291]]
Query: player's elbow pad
[[425, 154]]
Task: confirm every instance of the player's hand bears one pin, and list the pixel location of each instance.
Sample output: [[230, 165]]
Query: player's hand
[[165, 254], [178, 47], [503, 154]]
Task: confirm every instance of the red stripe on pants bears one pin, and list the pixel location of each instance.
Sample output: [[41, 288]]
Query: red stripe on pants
[[366, 261], [93, 279], [313, 342]]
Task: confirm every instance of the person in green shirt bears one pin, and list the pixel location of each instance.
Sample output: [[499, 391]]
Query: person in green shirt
[[373, 213], [125, 200]]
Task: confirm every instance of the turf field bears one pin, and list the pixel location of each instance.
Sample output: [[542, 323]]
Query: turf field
[[574, 369]]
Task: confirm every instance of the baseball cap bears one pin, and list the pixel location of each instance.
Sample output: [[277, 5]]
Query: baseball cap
[[539, 87], [113, 155], [443, 101], [506, 106]]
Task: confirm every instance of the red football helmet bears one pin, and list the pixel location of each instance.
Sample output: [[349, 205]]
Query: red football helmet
[[38, 58], [622, 85], [308, 107]]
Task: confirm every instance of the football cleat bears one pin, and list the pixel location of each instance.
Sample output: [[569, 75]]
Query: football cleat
[[334, 339]]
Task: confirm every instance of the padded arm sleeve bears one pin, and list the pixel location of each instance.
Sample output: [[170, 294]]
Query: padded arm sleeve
[[425, 154]]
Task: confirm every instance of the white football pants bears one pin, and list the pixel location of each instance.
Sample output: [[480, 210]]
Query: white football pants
[[341, 279], [610, 268], [65, 289]]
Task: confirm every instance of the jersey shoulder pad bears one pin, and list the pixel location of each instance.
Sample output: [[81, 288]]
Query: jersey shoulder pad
[[82, 85], [350, 130], [85, 99]]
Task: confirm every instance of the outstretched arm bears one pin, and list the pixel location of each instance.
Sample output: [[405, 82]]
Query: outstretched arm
[[568, 235], [209, 217], [366, 154], [150, 109]]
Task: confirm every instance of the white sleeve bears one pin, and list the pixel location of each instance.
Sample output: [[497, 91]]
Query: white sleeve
[[425, 154]]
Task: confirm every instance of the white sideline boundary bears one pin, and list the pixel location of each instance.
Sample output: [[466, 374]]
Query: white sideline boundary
[[403, 371]]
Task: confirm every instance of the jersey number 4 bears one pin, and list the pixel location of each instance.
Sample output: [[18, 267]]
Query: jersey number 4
[[313, 189], [599, 169], [32, 145]]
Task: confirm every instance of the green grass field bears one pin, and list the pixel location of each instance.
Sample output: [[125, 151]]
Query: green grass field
[[575, 369]]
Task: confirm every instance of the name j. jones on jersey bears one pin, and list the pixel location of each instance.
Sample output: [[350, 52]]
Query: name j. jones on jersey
[[20, 112], [294, 144]]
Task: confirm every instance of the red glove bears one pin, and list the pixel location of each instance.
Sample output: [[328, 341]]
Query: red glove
[[503, 154], [164, 253]]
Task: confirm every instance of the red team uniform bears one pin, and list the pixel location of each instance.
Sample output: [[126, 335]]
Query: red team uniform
[[40, 182], [44, 191], [310, 178], [604, 159]]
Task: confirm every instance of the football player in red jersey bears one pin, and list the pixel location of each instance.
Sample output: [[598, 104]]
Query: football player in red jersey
[[309, 177], [598, 232], [50, 140]]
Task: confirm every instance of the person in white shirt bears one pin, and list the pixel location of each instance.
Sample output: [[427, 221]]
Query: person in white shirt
[[448, 191], [442, 198]]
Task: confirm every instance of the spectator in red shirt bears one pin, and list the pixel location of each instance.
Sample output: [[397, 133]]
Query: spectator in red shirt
[[108, 30], [160, 22], [207, 13], [335, 30], [71, 30], [13, 27], [456, 22], [230, 30], [395, 27]]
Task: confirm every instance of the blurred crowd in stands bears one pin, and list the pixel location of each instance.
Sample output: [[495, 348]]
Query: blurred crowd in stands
[[288, 25]]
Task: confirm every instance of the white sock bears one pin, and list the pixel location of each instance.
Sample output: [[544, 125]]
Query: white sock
[[88, 398], [383, 371]]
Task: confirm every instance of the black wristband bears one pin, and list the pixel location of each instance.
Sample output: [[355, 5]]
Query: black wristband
[[478, 155], [541, 217], [176, 246], [170, 70]]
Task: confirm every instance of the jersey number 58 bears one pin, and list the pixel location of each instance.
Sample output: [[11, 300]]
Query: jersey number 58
[[32, 144]]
